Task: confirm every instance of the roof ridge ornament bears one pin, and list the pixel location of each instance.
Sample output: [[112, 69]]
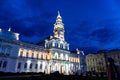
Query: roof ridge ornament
[[9, 29]]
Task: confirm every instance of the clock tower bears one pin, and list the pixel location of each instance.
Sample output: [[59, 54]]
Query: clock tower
[[59, 28]]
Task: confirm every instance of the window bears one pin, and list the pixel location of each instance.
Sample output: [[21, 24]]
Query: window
[[19, 65], [56, 55], [40, 66], [61, 56], [66, 56], [56, 44], [32, 55], [5, 64], [61, 46], [66, 47], [25, 65], [27, 54], [37, 56], [31, 66], [0, 63], [36, 65], [21, 53]]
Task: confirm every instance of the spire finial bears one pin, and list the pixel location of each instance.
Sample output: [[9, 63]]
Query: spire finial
[[58, 13], [9, 29]]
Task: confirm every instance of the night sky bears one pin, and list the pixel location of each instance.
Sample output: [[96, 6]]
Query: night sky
[[90, 25]]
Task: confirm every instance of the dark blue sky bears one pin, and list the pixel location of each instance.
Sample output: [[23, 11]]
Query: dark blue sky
[[90, 25]]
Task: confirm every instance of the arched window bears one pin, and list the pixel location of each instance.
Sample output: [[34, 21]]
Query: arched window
[[21, 53], [5, 64], [37, 56], [56, 44], [0, 63], [46, 57], [32, 55], [66, 57], [27, 54], [61, 45], [19, 65], [36, 66], [66, 47], [40, 66], [25, 65], [61, 56], [56, 56], [30, 65], [41, 56]]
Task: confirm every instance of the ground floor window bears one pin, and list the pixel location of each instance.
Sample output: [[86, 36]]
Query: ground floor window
[[4, 64], [25, 65], [19, 65]]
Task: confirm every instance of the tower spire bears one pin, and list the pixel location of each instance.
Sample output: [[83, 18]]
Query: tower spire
[[59, 27], [59, 13]]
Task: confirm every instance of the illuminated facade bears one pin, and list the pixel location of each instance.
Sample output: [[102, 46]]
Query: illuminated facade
[[17, 56], [98, 62]]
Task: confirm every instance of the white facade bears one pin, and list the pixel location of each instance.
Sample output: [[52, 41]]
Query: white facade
[[17, 56]]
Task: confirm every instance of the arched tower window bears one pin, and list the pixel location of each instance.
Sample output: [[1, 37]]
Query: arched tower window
[[56, 44], [61, 45]]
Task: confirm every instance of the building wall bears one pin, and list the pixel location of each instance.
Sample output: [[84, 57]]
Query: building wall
[[115, 55], [98, 62]]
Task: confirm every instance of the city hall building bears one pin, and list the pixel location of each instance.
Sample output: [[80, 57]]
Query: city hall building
[[48, 56]]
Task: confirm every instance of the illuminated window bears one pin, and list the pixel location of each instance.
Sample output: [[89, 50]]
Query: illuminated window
[[32, 55], [41, 56], [19, 65], [61, 56], [5, 64], [50, 56], [46, 57], [37, 56], [21, 53], [56, 56], [66, 56], [27, 54]]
